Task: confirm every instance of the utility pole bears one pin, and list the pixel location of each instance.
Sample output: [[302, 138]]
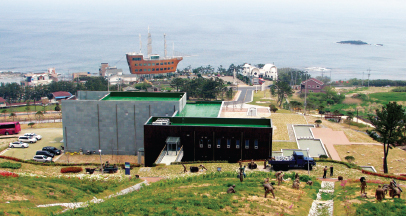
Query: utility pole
[[305, 93], [322, 73], [369, 74]]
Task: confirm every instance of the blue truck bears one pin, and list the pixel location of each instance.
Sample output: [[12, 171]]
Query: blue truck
[[296, 161]]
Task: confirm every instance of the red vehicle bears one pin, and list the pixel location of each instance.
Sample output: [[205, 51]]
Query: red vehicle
[[7, 128]]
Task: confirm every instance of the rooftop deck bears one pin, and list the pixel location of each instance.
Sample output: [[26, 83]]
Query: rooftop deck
[[201, 109], [215, 122], [142, 96]]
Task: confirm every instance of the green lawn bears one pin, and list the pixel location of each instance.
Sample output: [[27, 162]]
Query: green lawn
[[206, 195], [24, 193], [32, 108], [386, 97], [277, 146]]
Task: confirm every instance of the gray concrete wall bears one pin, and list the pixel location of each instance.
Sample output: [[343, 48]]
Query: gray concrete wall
[[113, 126]]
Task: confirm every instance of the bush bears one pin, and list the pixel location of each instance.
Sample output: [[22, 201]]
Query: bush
[[397, 207], [10, 165], [71, 169], [323, 157], [349, 158]]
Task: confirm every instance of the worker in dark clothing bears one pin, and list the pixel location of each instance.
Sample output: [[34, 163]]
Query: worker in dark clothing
[[331, 170], [325, 172], [184, 168], [379, 193], [203, 167], [265, 164], [231, 189]]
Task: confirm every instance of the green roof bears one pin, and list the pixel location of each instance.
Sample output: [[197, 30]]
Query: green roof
[[201, 109], [215, 122], [143, 96]]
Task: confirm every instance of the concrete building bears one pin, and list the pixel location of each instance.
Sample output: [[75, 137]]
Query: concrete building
[[267, 71], [80, 74], [313, 85], [114, 122]]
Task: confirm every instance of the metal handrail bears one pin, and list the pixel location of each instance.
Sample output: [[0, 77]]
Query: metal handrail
[[161, 155], [180, 154]]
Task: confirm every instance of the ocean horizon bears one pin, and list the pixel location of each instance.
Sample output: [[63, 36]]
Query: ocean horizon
[[77, 36]]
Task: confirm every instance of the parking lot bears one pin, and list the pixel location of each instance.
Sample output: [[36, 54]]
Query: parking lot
[[50, 137]]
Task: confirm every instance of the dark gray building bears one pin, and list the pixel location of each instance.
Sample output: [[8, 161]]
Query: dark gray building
[[114, 122]]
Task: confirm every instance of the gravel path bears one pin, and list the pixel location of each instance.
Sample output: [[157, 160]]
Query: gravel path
[[95, 200]]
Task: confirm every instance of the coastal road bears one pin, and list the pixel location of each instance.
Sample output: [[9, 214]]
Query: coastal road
[[245, 96]]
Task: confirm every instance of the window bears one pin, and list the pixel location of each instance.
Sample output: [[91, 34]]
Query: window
[[313, 86], [153, 69], [166, 63], [247, 144], [136, 65], [149, 69], [237, 144], [309, 86], [136, 59], [161, 69], [218, 143], [162, 63], [140, 69], [256, 144], [201, 143], [171, 67], [164, 68], [208, 143], [172, 62], [228, 143], [318, 86], [136, 70], [145, 64], [149, 64]]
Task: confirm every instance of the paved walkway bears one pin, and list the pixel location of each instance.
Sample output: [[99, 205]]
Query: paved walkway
[[323, 207]]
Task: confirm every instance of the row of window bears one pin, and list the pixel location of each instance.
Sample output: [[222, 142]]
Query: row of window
[[228, 142], [309, 86], [153, 64], [153, 69]]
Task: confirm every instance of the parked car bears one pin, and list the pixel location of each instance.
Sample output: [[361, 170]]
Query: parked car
[[46, 153], [42, 158], [52, 150], [18, 145], [34, 135], [27, 139]]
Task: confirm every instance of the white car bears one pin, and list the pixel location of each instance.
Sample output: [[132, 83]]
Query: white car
[[27, 139], [42, 158], [18, 145], [34, 135]]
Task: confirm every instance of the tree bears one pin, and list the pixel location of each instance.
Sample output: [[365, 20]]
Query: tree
[[349, 158], [177, 82], [273, 108], [350, 117], [39, 114], [321, 110], [57, 107], [318, 122], [28, 108], [389, 130], [31, 124], [4, 113], [12, 115], [282, 90]]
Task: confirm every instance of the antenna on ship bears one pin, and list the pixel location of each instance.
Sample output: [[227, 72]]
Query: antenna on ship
[[149, 43], [165, 44], [140, 44]]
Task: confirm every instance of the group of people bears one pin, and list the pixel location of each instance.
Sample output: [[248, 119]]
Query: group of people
[[393, 188], [325, 171]]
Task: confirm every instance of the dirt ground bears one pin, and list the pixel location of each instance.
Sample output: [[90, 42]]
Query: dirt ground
[[96, 158]]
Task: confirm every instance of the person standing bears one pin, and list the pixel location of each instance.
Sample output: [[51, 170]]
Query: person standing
[[184, 168], [379, 193], [325, 172], [331, 170]]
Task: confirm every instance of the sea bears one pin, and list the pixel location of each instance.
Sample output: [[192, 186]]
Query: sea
[[77, 36]]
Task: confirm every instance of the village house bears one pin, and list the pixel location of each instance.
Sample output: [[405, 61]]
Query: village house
[[313, 85]]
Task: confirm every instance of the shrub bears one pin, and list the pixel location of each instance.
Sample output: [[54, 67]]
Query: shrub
[[8, 174], [71, 169], [323, 157], [10, 165], [349, 158]]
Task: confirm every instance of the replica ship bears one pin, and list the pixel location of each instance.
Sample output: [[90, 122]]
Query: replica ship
[[152, 64]]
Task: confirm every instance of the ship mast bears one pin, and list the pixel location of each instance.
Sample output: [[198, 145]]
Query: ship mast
[[140, 44], [149, 43], [165, 44]]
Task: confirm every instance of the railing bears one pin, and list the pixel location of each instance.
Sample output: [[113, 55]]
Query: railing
[[180, 155], [161, 155], [34, 119]]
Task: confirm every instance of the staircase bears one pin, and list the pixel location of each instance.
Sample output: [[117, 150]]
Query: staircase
[[169, 158]]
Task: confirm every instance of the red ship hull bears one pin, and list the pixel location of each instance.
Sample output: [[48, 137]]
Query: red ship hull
[[139, 65]]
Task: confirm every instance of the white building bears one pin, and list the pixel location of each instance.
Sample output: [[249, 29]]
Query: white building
[[34, 79], [268, 71]]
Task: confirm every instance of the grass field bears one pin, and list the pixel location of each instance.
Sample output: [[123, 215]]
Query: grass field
[[24, 193], [277, 146], [371, 155], [42, 125], [206, 195], [280, 122], [50, 137], [265, 99], [347, 198]]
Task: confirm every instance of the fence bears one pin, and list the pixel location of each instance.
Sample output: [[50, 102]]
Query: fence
[[25, 120]]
